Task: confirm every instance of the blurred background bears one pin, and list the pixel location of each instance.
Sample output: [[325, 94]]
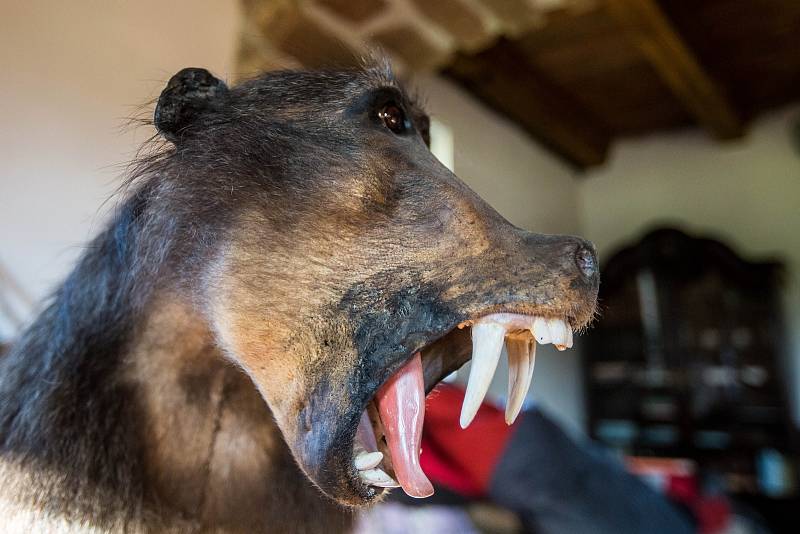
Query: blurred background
[[667, 132]]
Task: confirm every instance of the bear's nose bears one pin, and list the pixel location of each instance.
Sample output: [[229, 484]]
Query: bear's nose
[[586, 260]]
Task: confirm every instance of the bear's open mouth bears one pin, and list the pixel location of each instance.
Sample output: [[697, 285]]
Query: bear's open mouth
[[386, 447]]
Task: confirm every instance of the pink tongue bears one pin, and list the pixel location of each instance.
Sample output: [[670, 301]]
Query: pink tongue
[[401, 404]]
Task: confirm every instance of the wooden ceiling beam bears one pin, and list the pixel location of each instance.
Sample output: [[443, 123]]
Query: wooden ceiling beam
[[503, 78], [673, 60]]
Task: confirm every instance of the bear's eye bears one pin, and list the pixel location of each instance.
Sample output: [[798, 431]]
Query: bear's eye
[[394, 118]]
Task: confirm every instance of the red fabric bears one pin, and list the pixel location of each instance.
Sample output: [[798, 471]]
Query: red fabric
[[713, 514], [683, 488], [461, 460]]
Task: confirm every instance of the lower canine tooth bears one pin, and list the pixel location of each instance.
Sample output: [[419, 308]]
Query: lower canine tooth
[[368, 460], [487, 344], [521, 359]]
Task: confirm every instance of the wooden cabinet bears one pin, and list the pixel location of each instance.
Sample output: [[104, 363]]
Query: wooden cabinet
[[685, 359]]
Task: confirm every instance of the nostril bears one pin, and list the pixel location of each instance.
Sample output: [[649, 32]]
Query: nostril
[[586, 261]]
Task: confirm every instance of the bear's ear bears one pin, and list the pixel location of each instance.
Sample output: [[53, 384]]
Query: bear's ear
[[190, 92]]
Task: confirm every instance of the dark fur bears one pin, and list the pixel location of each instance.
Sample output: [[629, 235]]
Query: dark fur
[[59, 397], [62, 405]]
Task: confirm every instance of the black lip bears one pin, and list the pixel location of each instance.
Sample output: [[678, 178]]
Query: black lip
[[370, 493], [328, 454]]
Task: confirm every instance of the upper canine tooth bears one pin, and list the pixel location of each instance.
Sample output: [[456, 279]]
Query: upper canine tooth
[[487, 344], [541, 331], [521, 358]]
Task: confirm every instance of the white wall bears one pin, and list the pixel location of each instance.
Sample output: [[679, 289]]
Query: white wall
[[746, 193], [533, 190], [72, 73]]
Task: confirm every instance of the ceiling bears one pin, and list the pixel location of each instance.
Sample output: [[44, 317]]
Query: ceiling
[[575, 74]]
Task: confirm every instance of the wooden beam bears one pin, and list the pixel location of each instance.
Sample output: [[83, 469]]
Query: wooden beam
[[503, 78], [652, 32]]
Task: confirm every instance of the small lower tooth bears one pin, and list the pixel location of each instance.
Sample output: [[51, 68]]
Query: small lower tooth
[[368, 460], [377, 477], [391, 484]]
